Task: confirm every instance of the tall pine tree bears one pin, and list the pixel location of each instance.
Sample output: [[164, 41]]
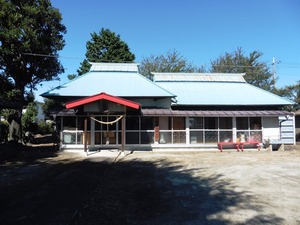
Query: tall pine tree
[[106, 46]]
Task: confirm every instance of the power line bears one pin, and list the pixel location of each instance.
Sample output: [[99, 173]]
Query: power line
[[295, 63], [68, 57], [50, 56], [282, 63]]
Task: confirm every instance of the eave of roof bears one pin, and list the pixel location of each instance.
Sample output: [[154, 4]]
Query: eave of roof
[[102, 96], [214, 113]]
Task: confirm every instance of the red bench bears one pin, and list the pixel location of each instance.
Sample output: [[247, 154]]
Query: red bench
[[242, 144], [221, 144], [238, 145]]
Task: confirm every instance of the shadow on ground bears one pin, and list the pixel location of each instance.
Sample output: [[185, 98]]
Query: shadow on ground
[[16, 152], [125, 192]]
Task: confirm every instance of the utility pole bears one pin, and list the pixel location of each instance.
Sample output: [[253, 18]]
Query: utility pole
[[274, 62]]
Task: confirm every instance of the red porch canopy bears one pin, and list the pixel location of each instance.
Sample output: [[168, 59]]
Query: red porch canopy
[[102, 96]]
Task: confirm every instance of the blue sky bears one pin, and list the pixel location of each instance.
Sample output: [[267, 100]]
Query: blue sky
[[200, 30]]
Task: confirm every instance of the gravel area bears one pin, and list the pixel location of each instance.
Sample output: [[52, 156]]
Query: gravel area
[[174, 187]]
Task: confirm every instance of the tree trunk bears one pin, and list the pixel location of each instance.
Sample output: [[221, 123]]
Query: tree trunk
[[15, 127]]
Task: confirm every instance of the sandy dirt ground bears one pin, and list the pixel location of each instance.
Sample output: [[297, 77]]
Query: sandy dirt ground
[[41, 186]]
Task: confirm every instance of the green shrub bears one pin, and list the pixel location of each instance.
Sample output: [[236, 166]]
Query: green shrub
[[44, 128]]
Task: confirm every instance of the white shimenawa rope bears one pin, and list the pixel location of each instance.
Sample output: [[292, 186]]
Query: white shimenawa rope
[[107, 123]]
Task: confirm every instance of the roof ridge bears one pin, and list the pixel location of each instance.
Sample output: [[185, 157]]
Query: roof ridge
[[206, 77], [112, 67], [200, 74]]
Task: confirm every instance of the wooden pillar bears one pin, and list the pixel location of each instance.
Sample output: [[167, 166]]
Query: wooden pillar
[[123, 133], [85, 134]]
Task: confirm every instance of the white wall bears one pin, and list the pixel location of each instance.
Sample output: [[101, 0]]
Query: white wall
[[287, 129], [279, 128]]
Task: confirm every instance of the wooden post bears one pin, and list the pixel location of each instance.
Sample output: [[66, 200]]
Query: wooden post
[[123, 133], [85, 134], [156, 134]]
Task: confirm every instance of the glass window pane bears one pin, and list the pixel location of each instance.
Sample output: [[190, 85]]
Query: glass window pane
[[255, 123], [147, 123], [132, 138], [112, 126], [147, 137], [211, 136], [255, 136], [165, 138], [211, 123], [179, 137], [132, 123], [69, 138], [80, 123], [79, 138], [225, 136], [196, 122], [119, 136], [242, 123], [242, 136], [98, 126], [225, 123], [69, 123], [196, 137], [98, 138], [109, 137], [106, 127]]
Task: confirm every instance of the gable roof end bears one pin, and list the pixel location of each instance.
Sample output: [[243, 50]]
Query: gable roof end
[[103, 96]]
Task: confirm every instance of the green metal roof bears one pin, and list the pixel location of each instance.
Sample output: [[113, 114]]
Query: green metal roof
[[216, 89], [114, 79], [210, 89]]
